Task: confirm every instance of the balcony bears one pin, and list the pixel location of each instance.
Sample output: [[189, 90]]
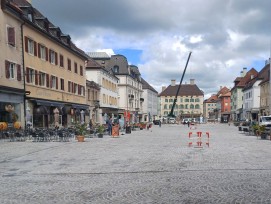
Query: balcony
[[131, 96]]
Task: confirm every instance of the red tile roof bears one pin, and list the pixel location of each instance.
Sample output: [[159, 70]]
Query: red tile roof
[[185, 90]]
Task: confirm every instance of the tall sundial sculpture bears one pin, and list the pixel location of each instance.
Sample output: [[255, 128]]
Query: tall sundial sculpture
[[171, 114]]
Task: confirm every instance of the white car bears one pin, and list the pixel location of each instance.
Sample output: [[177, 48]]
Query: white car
[[172, 120]]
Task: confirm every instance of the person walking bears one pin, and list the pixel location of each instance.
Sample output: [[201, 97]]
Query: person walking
[[159, 123], [109, 125]]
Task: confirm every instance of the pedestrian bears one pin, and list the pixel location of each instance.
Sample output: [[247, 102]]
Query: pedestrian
[[188, 123], [159, 123], [109, 126]]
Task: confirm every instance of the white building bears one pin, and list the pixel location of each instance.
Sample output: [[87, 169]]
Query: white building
[[108, 103], [150, 105]]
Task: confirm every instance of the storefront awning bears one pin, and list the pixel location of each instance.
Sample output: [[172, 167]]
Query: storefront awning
[[83, 107], [49, 103]]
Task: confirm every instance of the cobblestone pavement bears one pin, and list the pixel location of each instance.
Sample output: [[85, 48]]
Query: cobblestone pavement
[[154, 166]]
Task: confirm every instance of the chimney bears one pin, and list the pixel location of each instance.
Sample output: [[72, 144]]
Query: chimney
[[192, 81], [163, 88], [244, 71], [241, 74], [173, 82]]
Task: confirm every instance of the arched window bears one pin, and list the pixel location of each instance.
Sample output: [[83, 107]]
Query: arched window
[[170, 106], [191, 106], [181, 106], [176, 106], [165, 106], [197, 106], [186, 106], [165, 113]]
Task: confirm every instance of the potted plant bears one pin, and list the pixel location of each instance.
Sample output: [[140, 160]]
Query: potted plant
[[100, 130], [80, 131]]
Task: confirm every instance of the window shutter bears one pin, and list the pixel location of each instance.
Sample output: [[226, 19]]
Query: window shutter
[[26, 43], [40, 78], [11, 36], [47, 80], [46, 50], [56, 82], [79, 89], [19, 73], [50, 55], [69, 86], [84, 91], [72, 87], [38, 50], [51, 82], [35, 48], [7, 69], [56, 59], [63, 84], [37, 82], [27, 75]]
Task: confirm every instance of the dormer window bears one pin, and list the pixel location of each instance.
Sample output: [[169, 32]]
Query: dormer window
[[116, 69], [30, 17]]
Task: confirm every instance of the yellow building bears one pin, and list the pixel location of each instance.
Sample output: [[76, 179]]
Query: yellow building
[[11, 70], [189, 102], [54, 72]]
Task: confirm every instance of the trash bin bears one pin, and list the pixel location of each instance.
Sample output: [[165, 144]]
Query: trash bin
[[128, 129]]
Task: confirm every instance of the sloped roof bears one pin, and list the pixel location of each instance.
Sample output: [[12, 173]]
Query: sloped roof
[[98, 55], [38, 21], [146, 85], [212, 99], [120, 61], [93, 64], [223, 91], [185, 90], [265, 74], [247, 77]]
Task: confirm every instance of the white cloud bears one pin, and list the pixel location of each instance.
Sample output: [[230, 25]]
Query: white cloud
[[224, 36]]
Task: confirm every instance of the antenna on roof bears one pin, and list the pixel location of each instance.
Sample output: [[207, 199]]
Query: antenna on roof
[[171, 114]]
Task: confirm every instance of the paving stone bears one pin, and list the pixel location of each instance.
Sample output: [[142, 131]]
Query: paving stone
[[155, 166]]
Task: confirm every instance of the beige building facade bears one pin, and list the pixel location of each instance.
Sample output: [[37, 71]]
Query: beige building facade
[[11, 69], [53, 72]]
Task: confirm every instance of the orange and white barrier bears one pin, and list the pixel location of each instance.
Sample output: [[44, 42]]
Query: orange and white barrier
[[199, 139]]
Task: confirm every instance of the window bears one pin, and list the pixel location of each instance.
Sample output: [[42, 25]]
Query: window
[[197, 100], [69, 65], [165, 106], [61, 60], [52, 55], [11, 36], [42, 52], [197, 106], [69, 86], [191, 100], [53, 82], [186, 100], [166, 100], [170, 100], [30, 75], [116, 69], [12, 68], [42, 79], [62, 84], [31, 46]]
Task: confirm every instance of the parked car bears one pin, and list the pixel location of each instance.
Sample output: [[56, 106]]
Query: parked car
[[156, 122], [172, 120]]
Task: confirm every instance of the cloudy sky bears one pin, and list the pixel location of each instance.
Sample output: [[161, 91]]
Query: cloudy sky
[[157, 35]]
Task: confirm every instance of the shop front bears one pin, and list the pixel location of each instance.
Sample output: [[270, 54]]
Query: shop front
[[11, 109]]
